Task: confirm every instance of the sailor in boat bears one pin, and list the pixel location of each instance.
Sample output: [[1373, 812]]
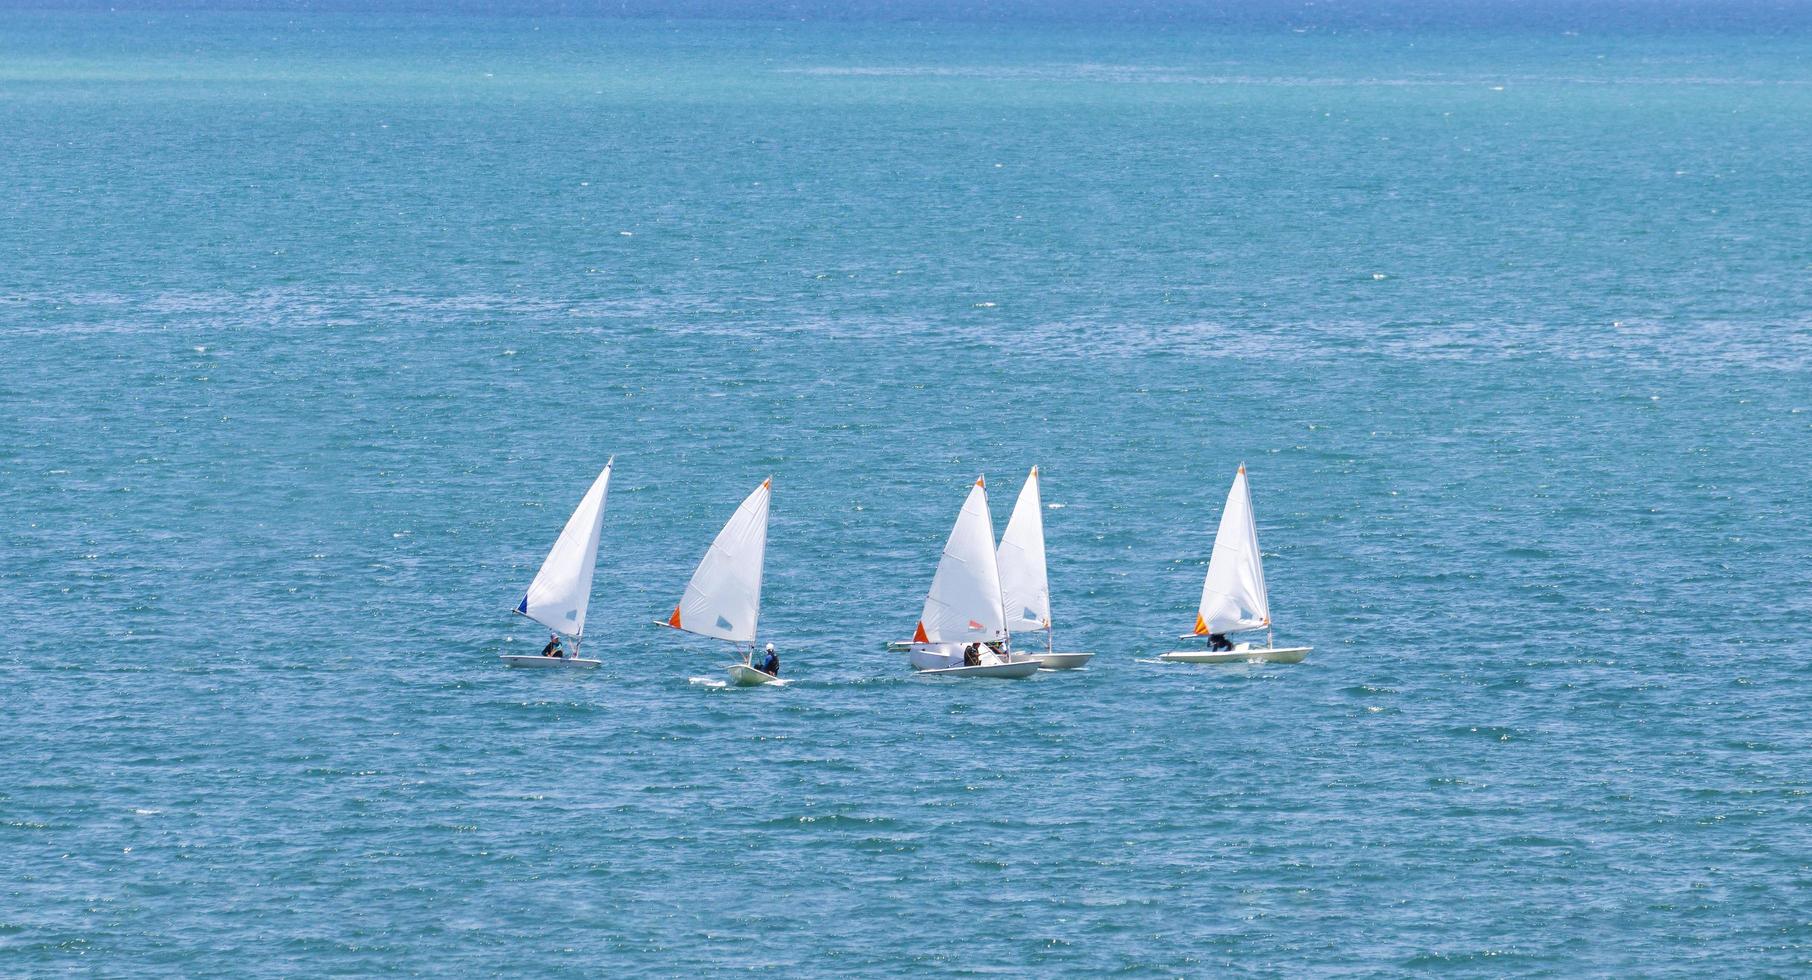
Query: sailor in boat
[[972, 655], [1219, 641], [771, 665], [553, 648], [999, 650]]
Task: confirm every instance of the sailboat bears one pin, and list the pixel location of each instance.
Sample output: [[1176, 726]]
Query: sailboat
[[964, 604], [1025, 589], [1233, 593], [562, 589], [723, 599]]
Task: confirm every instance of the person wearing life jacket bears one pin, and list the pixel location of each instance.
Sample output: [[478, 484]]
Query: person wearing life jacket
[[1219, 641], [553, 648], [771, 665], [972, 655]]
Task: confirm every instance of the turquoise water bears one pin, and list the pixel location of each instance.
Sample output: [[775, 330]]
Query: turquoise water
[[315, 328]]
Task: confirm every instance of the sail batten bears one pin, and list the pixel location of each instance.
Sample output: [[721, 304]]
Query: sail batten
[[964, 604], [723, 599], [1024, 584], [1233, 592], [561, 591]]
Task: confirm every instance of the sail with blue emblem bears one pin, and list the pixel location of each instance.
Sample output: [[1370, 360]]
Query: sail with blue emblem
[[723, 600], [562, 589]]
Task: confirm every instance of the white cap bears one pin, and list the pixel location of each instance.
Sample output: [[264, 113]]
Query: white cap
[[770, 648]]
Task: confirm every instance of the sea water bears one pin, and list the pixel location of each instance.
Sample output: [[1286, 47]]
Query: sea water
[[315, 326]]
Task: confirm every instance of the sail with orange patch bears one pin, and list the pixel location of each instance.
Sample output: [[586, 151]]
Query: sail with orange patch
[[964, 603], [1233, 591]]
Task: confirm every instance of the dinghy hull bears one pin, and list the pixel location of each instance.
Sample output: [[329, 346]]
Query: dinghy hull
[[1264, 655], [742, 675], [1061, 661], [1013, 670], [546, 663]]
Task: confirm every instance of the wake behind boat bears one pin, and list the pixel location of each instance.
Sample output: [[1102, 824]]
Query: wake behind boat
[[1233, 593], [561, 591]]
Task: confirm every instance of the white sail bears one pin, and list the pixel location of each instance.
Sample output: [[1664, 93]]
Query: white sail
[[964, 603], [562, 589], [1024, 588], [723, 600], [1233, 594]]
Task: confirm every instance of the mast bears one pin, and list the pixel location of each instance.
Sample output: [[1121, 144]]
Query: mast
[[1006, 621]]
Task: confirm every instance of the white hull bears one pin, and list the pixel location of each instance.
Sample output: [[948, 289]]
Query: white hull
[[1249, 655], [1049, 661], [536, 660], [742, 675], [1025, 668], [1061, 661]]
